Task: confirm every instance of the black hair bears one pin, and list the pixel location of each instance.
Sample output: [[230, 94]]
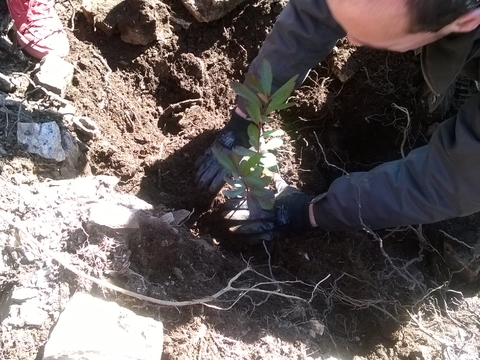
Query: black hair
[[433, 15]]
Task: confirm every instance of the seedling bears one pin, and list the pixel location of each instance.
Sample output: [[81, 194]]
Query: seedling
[[252, 169]]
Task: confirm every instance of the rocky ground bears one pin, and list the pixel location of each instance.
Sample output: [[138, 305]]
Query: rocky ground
[[116, 205]]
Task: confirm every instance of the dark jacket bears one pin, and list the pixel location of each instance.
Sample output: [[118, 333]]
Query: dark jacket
[[435, 182]]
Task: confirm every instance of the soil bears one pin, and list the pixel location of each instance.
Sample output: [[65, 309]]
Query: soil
[[385, 295]]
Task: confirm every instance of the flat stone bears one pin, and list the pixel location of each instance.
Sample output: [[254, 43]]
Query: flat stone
[[210, 10], [32, 314], [91, 328], [113, 216], [68, 111], [42, 139], [22, 294], [55, 74], [86, 126]]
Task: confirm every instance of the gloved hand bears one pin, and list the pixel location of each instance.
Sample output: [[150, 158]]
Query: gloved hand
[[210, 174], [289, 215]]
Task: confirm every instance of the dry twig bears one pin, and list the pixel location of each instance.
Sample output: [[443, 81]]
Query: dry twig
[[256, 288]]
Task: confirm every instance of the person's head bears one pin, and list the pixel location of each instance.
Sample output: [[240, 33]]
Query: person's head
[[402, 25]]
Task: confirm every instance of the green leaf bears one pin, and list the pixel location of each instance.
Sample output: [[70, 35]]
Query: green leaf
[[253, 110], [275, 143], [253, 83], [268, 160], [281, 95], [250, 163], [240, 150], [253, 135], [283, 106], [256, 183], [245, 92], [265, 198], [258, 171], [234, 193], [263, 97], [266, 77], [273, 133], [224, 160]]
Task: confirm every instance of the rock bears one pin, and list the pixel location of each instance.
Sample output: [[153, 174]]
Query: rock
[[210, 10], [42, 139], [13, 318], [86, 126], [6, 84], [72, 154], [119, 213], [176, 218], [168, 218], [145, 21], [103, 14], [91, 328], [68, 111], [113, 216], [55, 74], [180, 216], [20, 295], [31, 314], [139, 22]]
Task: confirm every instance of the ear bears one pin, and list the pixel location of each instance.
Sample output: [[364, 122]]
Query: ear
[[467, 22]]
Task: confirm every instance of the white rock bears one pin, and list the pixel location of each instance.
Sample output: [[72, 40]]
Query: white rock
[[14, 318], [22, 294], [32, 314], [114, 216], [210, 10], [91, 328], [55, 74], [42, 139], [86, 126]]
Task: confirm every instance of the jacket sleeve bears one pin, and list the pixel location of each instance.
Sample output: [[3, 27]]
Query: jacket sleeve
[[303, 35], [435, 182]]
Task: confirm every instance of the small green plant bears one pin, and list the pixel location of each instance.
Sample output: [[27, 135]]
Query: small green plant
[[252, 169]]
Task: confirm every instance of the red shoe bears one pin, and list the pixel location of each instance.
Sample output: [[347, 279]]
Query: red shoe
[[38, 27]]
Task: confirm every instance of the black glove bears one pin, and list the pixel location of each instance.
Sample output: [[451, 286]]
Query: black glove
[[210, 174], [289, 215]]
